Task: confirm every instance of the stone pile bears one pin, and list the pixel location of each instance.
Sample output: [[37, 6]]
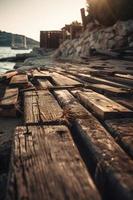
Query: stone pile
[[118, 36]]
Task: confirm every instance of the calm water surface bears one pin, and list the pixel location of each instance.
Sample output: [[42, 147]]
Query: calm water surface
[[8, 52]]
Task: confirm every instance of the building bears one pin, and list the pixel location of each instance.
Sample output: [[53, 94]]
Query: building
[[50, 39]]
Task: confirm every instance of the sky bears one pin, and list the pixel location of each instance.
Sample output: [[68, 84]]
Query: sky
[[28, 17]]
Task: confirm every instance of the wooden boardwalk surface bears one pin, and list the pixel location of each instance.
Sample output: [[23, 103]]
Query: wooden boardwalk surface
[[111, 90], [64, 80], [122, 130], [47, 164], [9, 102], [19, 80], [44, 83], [101, 105], [76, 136], [41, 106], [10, 98]]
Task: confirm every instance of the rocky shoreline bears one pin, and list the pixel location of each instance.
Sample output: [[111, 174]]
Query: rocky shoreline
[[97, 36], [115, 42]]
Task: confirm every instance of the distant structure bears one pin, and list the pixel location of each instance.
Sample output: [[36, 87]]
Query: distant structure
[[84, 18], [50, 39], [19, 45], [72, 31]]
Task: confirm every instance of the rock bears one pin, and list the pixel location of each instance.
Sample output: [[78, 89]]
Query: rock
[[124, 28], [130, 39], [108, 29], [57, 53], [114, 37], [131, 44], [66, 42], [110, 35], [78, 50], [111, 44], [121, 41], [71, 51], [87, 40], [91, 26]]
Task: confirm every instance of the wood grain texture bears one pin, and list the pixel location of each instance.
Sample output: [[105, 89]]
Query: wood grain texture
[[118, 79], [40, 74], [101, 105], [127, 102], [100, 80], [20, 79], [7, 128], [110, 90], [122, 131], [113, 168], [46, 165], [71, 108], [41, 106], [44, 83], [10, 98], [127, 76], [63, 80], [9, 75]]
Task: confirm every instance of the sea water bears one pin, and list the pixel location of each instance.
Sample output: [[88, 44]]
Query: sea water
[[8, 52]]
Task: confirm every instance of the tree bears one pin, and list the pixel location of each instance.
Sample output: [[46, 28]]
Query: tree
[[107, 12]]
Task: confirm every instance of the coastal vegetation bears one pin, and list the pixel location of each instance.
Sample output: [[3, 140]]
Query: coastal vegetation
[[108, 12]]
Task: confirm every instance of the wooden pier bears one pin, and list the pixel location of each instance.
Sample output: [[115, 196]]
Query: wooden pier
[[75, 138]]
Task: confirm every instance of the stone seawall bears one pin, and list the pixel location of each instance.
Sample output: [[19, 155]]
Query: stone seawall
[[118, 36]]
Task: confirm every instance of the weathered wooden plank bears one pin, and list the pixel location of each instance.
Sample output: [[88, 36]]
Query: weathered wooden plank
[[47, 165], [71, 76], [124, 71], [127, 102], [72, 109], [64, 87], [110, 90], [20, 79], [122, 130], [41, 106], [109, 72], [64, 80], [10, 98], [44, 83], [40, 74], [9, 103], [10, 74], [7, 128], [65, 97], [2, 91], [124, 81], [97, 80], [112, 168], [127, 76], [101, 105]]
